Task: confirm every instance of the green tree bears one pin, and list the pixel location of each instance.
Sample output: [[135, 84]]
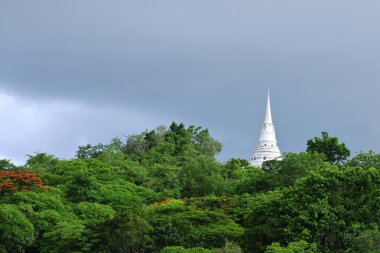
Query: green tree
[[129, 232], [192, 140], [203, 141], [365, 160], [263, 223], [201, 176], [94, 217], [233, 168], [90, 151], [44, 210], [66, 236], [180, 249], [293, 247], [295, 166], [16, 231], [334, 151], [42, 160], [82, 187], [123, 195], [367, 241], [256, 180], [322, 207], [281, 173], [139, 144], [179, 224], [165, 180], [7, 165], [126, 168], [230, 247], [135, 144]]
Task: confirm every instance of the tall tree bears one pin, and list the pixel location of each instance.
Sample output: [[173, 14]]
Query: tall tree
[[334, 151]]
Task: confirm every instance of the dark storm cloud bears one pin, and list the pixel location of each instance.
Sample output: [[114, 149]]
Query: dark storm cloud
[[201, 62]]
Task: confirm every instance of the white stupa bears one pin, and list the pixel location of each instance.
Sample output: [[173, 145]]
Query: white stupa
[[267, 148]]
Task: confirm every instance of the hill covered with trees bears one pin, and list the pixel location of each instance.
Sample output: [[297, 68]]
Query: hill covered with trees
[[164, 191]]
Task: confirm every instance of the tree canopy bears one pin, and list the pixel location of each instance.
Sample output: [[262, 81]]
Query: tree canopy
[[163, 190], [334, 151]]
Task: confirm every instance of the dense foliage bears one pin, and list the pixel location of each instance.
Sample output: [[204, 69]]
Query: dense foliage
[[164, 191]]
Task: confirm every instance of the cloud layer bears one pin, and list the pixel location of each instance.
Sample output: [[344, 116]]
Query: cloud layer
[[74, 72], [59, 127]]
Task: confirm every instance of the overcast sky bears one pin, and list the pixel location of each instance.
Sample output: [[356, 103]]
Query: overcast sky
[[78, 72]]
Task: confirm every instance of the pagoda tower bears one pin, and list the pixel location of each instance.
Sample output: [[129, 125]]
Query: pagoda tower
[[266, 148]]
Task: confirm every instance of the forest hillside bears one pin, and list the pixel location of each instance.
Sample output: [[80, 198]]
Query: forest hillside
[[164, 191]]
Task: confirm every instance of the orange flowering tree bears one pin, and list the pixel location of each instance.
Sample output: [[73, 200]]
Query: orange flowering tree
[[19, 180], [163, 202]]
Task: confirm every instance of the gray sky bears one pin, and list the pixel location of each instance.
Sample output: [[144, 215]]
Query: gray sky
[[78, 72]]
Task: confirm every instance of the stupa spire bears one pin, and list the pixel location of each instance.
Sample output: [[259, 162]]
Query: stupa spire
[[267, 148], [268, 113]]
